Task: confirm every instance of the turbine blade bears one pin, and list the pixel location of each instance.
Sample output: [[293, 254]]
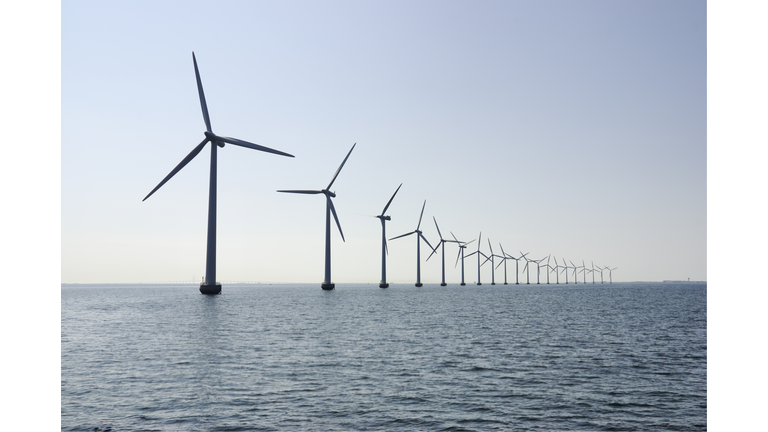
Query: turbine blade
[[336, 218], [502, 250], [422, 214], [469, 242], [340, 166], [499, 264], [489, 246], [454, 237], [407, 234], [242, 143], [434, 251], [427, 241], [203, 105], [390, 200], [438, 228], [181, 165], [386, 249], [458, 255], [311, 192]]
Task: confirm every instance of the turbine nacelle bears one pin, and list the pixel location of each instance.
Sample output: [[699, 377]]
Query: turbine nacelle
[[328, 193], [213, 138]]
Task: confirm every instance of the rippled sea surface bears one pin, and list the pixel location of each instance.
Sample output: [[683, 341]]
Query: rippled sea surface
[[622, 356]]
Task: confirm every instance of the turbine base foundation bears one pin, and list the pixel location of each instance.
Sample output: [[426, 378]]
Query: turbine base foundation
[[328, 286], [479, 283], [383, 285], [462, 284], [443, 284], [210, 288], [419, 284]]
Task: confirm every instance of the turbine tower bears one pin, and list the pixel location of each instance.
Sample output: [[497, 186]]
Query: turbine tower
[[419, 237], [462, 246], [601, 273], [209, 284], [610, 274], [327, 284], [555, 270], [383, 219]]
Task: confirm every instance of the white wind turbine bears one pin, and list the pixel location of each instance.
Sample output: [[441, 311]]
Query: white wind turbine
[[575, 273], [504, 257], [209, 284], [462, 246], [383, 218], [555, 269], [517, 267], [601, 273], [442, 246], [565, 270], [610, 272], [478, 257], [327, 284], [419, 237]]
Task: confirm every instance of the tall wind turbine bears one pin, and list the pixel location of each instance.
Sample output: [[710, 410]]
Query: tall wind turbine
[[383, 219], [419, 237], [478, 257], [555, 269], [593, 272], [493, 268], [601, 273], [209, 284], [610, 274], [462, 246], [504, 257], [517, 266], [327, 284], [565, 270], [442, 246], [575, 268]]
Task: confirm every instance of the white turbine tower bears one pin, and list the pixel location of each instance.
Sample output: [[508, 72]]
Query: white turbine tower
[[327, 284], [383, 218], [565, 270], [209, 284], [419, 237]]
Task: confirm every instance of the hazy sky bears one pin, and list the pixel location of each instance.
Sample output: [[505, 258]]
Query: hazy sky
[[571, 128]]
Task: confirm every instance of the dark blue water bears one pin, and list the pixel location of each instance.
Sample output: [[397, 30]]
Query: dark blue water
[[259, 357]]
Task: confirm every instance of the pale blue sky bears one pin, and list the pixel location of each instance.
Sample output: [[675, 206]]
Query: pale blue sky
[[571, 128]]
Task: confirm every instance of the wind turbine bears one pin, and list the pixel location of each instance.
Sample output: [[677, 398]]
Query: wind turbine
[[593, 272], [538, 269], [517, 269], [478, 257], [209, 284], [610, 274], [462, 246], [584, 270], [383, 219], [493, 268], [327, 284], [527, 272], [442, 246], [419, 236], [557, 273], [575, 278], [601, 273], [504, 257], [549, 268], [565, 270]]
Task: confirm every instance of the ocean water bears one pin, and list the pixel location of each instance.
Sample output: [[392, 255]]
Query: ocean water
[[619, 357]]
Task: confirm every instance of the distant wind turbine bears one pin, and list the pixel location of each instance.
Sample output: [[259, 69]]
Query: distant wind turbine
[[565, 270], [517, 267], [610, 272], [383, 219], [462, 246], [419, 237], [478, 257], [601, 273], [555, 269], [504, 257], [209, 284], [442, 246], [327, 284], [575, 268]]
